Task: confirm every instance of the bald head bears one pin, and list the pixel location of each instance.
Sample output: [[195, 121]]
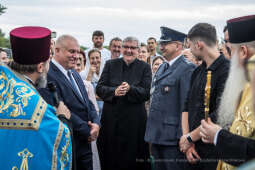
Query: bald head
[[67, 51], [63, 39]]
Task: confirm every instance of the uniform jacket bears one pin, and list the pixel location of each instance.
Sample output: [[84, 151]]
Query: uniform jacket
[[168, 93]]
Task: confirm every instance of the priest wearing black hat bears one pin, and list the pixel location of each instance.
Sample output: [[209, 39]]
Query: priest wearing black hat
[[168, 93], [236, 113], [32, 137]]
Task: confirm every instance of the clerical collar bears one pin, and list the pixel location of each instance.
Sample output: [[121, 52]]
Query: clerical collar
[[130, 62]]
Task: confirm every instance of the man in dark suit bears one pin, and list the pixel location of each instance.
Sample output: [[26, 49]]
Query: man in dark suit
[[236, 114], [71, 91], [169, 90]]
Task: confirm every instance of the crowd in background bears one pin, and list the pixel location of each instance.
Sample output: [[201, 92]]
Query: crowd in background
[[151, 100]]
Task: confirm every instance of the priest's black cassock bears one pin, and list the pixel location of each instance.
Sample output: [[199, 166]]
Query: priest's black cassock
[[121, 142]]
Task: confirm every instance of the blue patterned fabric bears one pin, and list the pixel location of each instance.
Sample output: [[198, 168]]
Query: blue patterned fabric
[[31, 137]]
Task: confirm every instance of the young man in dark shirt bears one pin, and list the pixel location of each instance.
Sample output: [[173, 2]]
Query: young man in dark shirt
[[203, 43]]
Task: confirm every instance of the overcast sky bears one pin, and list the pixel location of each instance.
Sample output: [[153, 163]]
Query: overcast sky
[[139, 18]]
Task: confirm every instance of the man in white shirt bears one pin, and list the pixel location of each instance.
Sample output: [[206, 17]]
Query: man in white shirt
[[152, 48], [98, 41]]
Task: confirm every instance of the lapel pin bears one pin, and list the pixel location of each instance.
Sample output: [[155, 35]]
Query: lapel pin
[[167, 89]]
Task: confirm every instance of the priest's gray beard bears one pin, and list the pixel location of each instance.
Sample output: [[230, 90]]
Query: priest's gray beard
[[230, 97], [41, 82]]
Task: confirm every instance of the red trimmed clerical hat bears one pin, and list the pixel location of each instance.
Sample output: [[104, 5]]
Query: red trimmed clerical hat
[[30, 44], [241, 29]]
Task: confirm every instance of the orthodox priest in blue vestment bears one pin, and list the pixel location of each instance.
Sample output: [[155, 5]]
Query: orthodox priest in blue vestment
[[31, 135]]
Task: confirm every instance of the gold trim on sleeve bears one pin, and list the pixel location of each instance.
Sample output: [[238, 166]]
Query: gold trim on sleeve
[[56, 145]]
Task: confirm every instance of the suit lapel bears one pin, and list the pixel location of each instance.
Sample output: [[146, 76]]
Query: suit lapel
[[163, 73], [81, 86], [62, 78]]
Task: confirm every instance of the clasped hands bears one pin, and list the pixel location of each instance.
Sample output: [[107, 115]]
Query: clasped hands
[[207, 133], [94, 131], [189, 149], [122, 89], [184, 144]]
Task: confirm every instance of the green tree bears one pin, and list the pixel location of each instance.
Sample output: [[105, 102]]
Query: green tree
[[83, 48], [2, 9], [4, 42]]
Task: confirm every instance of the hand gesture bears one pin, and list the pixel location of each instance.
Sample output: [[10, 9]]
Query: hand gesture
[[192, 155], [184, 144], [94, 131], [92, 68], [63, 110], [208, 130], [122, 89]]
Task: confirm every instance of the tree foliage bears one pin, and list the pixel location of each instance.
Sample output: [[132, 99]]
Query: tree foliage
[[4, 42], [2, 9], [83, 48]]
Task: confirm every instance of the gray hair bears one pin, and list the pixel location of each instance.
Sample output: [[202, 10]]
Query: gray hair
[[62, 40], [250, 45], [130, 38], [115, 39], [21, 68]]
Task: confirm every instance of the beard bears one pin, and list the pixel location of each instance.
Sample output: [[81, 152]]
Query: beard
[[231, 94], [98, 45], [41, 82]]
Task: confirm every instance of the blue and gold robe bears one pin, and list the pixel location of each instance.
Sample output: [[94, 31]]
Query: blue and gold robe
[[31, 136]]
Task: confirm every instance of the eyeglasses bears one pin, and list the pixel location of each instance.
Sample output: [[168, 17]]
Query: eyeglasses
[[129, 47]]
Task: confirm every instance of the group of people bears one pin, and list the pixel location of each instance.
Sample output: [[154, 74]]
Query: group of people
[[189, 107]]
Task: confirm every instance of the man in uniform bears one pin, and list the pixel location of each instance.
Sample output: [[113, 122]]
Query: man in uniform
[[32, 137], [169, 90]]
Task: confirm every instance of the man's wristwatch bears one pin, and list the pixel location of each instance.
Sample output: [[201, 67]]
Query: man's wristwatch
[[189, 138]]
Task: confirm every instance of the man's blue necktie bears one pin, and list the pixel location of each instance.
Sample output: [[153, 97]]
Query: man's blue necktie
[[69, 73]]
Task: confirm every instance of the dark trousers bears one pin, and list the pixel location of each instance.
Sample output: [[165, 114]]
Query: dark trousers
[[167, 157], [84, 161]]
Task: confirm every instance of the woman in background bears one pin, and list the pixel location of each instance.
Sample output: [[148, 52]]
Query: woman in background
[[80, 65]]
